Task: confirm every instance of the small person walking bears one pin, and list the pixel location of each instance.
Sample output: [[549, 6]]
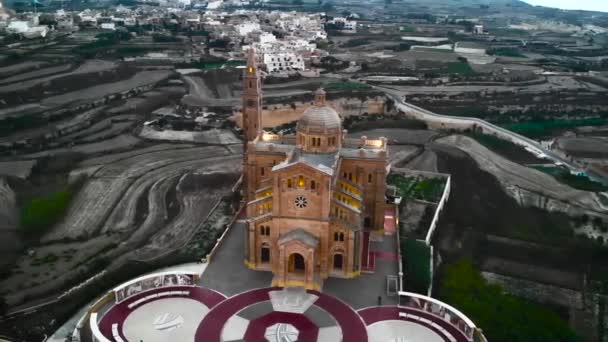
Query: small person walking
[[379, 300]]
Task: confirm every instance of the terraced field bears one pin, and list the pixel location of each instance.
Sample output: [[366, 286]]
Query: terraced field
[[134, 205]]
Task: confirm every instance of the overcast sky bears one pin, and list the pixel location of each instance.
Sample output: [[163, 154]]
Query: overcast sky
[[590, 5]]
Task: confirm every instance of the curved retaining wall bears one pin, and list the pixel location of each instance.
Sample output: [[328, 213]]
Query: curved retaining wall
[[442, 311]]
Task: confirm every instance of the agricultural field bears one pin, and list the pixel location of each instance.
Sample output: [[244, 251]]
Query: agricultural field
[[145, 199]]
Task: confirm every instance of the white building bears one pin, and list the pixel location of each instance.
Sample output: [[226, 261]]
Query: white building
[[348, 26], [283, 62], [266, 37], [18, 26], [244, 29], [469, 48], [212, 5], [478, 29], [108, 26], [29, 29]]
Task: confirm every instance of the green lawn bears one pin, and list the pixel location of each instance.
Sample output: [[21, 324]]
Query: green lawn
[[416, 256], [427, 189], [501, 316]]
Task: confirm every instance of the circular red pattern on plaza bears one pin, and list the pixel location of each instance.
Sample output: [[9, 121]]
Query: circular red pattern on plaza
[[308, 331], [210, 329]]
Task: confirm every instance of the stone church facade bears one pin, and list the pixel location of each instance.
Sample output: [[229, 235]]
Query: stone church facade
[[309, 197]]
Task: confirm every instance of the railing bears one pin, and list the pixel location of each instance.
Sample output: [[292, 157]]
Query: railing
[[444, 199], [441, 310], [154, 281]]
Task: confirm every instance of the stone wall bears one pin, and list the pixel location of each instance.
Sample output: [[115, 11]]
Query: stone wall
[[279, 114]]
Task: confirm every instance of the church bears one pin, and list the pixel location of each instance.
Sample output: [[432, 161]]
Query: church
[[310, 197]]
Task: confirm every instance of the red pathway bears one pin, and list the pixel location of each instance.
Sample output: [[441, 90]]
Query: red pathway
[[385, 255], [389, 221]]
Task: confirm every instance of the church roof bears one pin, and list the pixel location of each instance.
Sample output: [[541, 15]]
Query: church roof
[[324, 162], [299, 235]]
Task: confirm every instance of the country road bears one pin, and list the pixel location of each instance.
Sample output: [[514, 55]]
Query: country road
[[468, 122]]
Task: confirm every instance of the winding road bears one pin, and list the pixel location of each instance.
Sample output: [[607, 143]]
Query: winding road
[[459, 121]]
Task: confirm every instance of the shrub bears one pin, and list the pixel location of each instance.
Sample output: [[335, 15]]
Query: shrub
[[416, 257], [41, 213]]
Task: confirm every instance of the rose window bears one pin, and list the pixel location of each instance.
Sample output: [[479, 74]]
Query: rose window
[[301, 202]]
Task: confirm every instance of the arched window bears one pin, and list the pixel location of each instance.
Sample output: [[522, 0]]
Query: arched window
[[313, 185], [267, 231], [290, 183], [350, 176], [262, 171], [341, 236], [369, 178], [261, 230], [301, 182], [336, 236]]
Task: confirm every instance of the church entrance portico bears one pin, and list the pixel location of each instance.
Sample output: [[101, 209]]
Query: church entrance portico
[[297, 250]]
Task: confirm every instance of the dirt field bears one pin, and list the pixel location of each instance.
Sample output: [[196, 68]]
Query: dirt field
[[528, 179]]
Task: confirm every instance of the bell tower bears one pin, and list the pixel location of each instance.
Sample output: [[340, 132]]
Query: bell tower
[[252, 100], [252, 121]]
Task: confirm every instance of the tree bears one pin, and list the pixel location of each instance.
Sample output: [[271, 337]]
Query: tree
[[501, 316]]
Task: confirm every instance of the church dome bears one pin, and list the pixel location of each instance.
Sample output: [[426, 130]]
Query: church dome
[[320, 128], [319, 118]]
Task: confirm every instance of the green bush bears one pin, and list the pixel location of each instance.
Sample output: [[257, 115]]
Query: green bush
[[507, 52], [42, 213], [416, 257], [501, 316], [539, 129], [460, 68], [575, 181]]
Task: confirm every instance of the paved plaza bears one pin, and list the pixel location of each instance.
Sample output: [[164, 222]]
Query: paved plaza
[[228, 274], [266, 315]]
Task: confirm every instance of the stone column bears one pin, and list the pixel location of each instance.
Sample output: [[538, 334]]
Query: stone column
[[252, 244], [350, 252], [310, 268], [282, 271]]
